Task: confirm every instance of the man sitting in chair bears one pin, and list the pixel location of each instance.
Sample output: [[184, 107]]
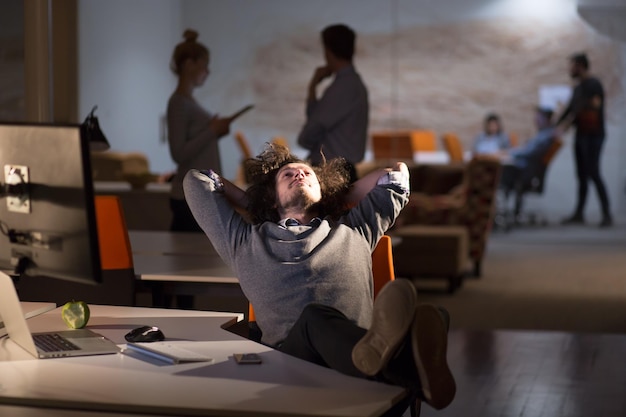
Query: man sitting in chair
[[304, 261], [524, 162]]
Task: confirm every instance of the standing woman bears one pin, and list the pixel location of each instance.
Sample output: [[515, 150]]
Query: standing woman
[[193, 132]]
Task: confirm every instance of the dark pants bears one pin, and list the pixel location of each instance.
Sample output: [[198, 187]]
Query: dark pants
[[325, 336], [182, 219], [512, 181], [587, 150]]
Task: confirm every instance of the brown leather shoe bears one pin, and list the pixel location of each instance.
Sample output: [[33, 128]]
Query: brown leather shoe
[[429, 342], [394, 311]]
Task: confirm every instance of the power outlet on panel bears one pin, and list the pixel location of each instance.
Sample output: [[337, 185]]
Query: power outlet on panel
[[16, 180]]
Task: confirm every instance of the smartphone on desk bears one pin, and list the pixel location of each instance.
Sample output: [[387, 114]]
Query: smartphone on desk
[[247, 358]]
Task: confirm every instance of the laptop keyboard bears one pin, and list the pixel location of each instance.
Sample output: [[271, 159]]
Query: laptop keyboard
[[52, 342]]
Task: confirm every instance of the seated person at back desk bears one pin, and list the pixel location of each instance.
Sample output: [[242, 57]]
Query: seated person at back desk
[[304, 262], [493, 139], [520, 164]]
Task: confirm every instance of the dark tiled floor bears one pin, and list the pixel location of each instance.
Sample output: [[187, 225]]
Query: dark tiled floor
[[536, 374]]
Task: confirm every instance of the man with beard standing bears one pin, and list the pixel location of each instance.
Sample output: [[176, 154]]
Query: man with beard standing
[[586, 112]]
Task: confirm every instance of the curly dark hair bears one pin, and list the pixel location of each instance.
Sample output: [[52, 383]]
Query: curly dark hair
[[261, 171]]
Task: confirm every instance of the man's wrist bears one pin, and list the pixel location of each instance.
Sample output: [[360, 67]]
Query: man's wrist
[[216, 179], [398, 178]]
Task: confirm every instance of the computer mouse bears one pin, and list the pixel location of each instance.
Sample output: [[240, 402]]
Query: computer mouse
[[145, 334]]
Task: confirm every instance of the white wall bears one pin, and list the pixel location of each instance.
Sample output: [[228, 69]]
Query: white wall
[[264, 53], [124, 52]]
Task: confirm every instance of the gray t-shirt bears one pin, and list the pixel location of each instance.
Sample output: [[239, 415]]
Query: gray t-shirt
[[192, 144], [283, 269]]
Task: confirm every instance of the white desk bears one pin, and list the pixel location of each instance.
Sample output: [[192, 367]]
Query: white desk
[[170, 243], [178, 257], [281, 385], [25, 411]]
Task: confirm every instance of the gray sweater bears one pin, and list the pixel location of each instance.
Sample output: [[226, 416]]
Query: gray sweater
[[283, 269]]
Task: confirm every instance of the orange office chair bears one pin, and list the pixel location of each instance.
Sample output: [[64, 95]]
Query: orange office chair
[[423, 140], [382, 269], [382, 264], [395, 145], [279, 140], [453, 147], [401, 144], [246, 153], [244, 147], [115, 250], [514, 140]]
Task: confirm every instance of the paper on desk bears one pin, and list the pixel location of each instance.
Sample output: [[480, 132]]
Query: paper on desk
[[170, 352]]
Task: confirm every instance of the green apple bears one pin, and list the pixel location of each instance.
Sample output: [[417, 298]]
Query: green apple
[[75, 314]]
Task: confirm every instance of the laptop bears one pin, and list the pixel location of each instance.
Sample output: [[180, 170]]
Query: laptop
[[78, 342], [30, 309]]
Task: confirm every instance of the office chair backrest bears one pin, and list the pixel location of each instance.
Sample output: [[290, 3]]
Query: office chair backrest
[[452, 145], [382, 264], [557, 143], [536, 182], [513, 140], [244, 147], [115, 250], [392, 145], [246, 153], [423, 140], [279, 140], [382, 269]]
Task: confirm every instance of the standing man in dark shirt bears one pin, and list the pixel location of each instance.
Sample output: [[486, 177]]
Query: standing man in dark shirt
[[336, 123], [586, 112]]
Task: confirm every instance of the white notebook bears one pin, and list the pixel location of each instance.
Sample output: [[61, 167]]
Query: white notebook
[[170, 352]]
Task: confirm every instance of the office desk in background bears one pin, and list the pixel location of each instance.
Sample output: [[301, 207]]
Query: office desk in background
[[178, 257], [145, 208], [281, 385], [179, 263]]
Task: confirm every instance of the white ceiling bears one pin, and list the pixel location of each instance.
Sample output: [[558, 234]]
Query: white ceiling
[[606, 16]]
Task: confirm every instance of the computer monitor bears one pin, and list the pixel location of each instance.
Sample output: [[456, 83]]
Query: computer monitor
[[47, 215]]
